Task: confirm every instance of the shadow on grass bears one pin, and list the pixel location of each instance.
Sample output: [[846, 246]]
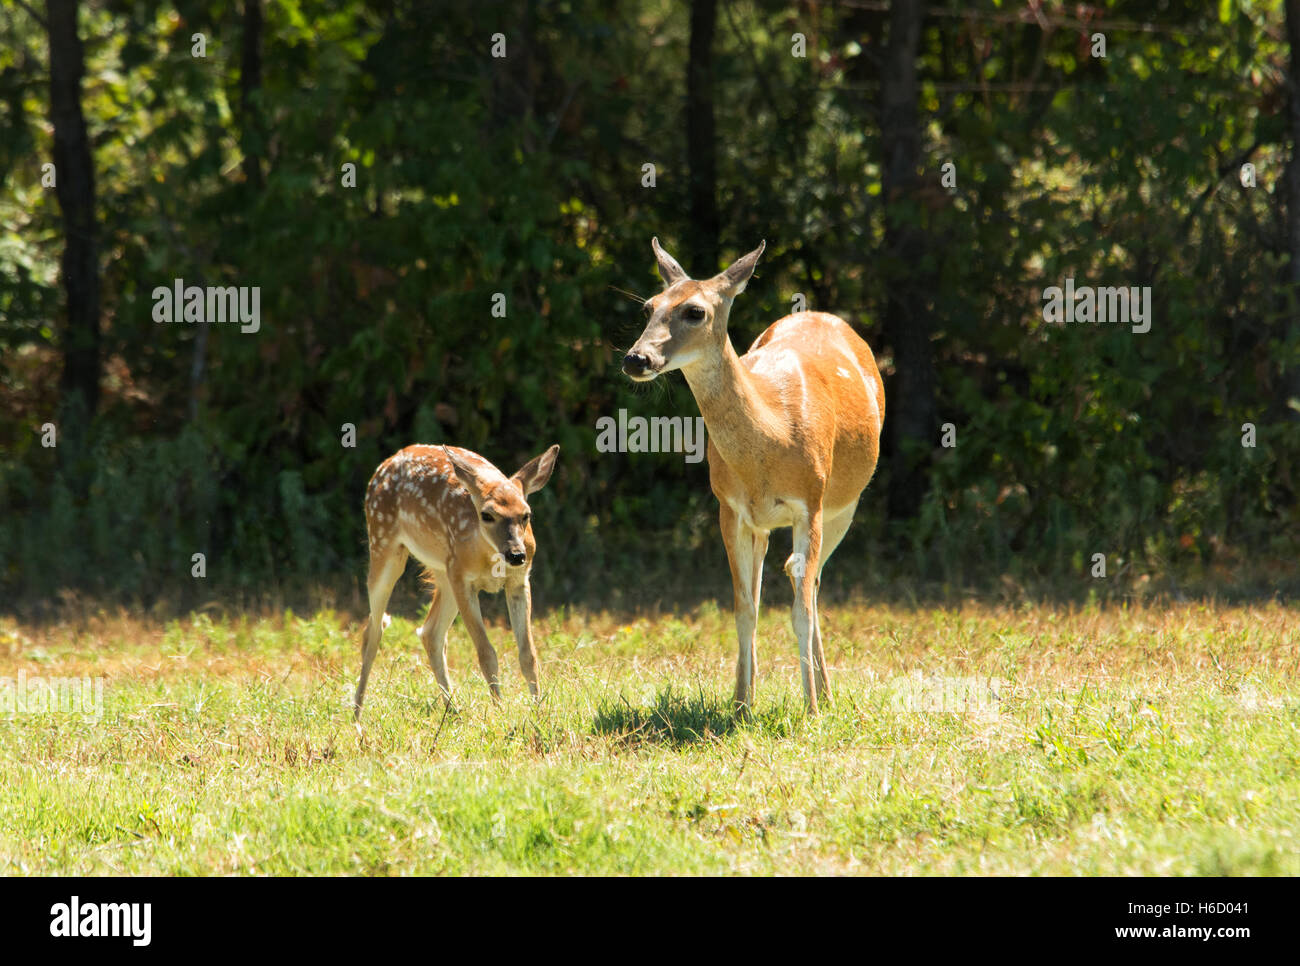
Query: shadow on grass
[[678, 719]]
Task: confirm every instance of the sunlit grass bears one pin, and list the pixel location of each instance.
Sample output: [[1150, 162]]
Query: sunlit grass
[[1115, 741]]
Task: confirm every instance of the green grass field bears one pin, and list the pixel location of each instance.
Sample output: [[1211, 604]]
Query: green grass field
[[1092, 741]]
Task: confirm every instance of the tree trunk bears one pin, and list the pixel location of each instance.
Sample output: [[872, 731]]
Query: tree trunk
[[250, 80], [513, 98], [1291, 383], [75, 189], [909, 429], [700, 133]]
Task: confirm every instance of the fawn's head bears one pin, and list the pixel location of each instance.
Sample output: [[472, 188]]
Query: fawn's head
[[501, 502], [687, 321]]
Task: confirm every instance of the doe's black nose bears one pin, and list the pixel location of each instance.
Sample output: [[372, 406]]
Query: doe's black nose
[[514, 557]]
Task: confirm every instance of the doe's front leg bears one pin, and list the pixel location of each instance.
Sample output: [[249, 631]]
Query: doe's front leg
[[741, 544]]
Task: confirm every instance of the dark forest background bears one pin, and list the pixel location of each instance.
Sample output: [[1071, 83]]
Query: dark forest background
[[523, 175]]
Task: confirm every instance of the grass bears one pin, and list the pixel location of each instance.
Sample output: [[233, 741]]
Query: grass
[[1111, 741]]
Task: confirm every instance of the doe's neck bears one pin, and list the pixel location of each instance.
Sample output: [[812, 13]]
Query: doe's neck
[[735, 410]]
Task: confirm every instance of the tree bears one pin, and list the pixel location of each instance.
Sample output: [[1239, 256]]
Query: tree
[[700, 146], [910, 412], [75, 187], [1293, 194], [250, 81]]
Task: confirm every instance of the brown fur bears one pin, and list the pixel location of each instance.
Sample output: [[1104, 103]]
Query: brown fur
[[794, 436], [429, 501]]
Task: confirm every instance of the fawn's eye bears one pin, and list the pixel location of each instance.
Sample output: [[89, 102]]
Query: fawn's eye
[[524, 521], [693, 313], [487, 517]]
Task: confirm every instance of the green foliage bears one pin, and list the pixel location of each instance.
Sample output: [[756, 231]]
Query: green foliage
[[477, 176]]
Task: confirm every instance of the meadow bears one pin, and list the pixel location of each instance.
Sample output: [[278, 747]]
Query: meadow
[[972, 739]]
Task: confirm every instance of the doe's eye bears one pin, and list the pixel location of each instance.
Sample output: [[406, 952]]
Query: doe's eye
[[487, 517], [693, 313]]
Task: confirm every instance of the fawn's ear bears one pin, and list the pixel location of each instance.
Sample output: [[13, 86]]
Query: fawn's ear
[[669, 270], [532, 476], [734, 279], [466, 472]]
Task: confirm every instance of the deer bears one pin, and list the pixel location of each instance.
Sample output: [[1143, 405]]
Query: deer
[[794, 435], [470, 525]]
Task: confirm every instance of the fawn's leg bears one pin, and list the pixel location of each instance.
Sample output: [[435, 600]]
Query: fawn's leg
[[433, 634], [386, 565], [519, 601], [467, 600]]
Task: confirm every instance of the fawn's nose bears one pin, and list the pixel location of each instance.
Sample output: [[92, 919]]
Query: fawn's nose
[[514, 558], [634, 364]]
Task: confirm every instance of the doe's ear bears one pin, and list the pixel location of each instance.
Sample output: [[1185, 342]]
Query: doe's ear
[[669, 270], [532, 476], [734, 279]]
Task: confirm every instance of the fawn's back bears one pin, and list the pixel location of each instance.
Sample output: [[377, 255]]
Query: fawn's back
[[415, 501]]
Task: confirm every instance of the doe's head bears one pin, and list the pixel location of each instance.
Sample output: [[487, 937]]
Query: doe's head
[[688, 319], [504, 517]]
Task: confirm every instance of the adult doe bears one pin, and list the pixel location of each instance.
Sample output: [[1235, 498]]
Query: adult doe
[[471, 526], [794, 434]]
